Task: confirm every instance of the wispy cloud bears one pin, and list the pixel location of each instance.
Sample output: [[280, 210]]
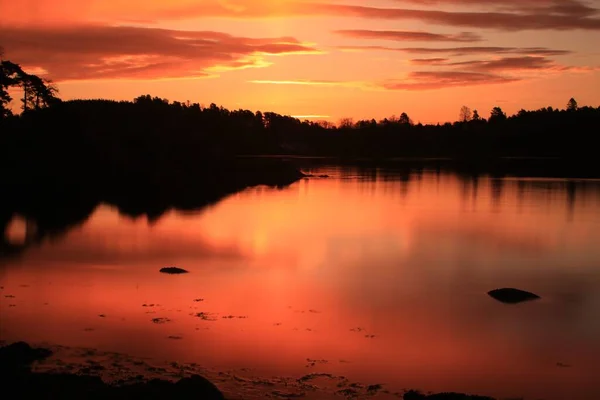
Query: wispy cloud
[[512, 20], [311, 116], [479, 72], [429, 61], [558, 7], [102, 52], [410, 35], [418, 80], [507, 64], [429, 80], [301, 82], [462, 51], [523, 63]]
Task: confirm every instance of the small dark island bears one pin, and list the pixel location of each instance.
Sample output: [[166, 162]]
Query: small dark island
[[512, 296], [173, 271]]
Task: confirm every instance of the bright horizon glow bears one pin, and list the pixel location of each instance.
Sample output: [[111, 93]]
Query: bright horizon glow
[[327, 59]]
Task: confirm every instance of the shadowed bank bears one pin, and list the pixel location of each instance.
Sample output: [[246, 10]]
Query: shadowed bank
[[19, 380], [22, 382]]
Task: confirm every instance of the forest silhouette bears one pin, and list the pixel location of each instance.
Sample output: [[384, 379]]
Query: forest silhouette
[[154, 130]]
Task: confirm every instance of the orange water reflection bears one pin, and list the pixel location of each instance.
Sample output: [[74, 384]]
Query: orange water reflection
[[383, 276]]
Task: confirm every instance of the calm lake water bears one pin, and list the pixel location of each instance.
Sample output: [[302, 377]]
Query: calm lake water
[[374, 275]]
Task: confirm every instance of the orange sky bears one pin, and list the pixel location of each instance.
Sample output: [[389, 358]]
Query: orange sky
[[329, 58]]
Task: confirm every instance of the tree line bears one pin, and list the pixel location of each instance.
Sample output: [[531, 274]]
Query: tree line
[[465, 115], [152, 128]]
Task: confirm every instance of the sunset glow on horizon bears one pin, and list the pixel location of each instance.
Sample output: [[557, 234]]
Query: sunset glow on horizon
[[320, 59]]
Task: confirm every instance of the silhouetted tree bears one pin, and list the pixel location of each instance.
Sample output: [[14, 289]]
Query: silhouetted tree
[[8, 78], [572, 105], [465, 114], [404, 119], [475, 116], [326, 124], [5, 98], [346, 123], [497, 115], [37, 92]]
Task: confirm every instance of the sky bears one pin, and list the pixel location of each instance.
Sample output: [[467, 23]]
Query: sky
[[318, 59]]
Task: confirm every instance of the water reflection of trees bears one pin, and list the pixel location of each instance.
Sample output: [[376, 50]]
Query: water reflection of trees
[[470, 183], [45, 218], [569, 190], [42, 222]]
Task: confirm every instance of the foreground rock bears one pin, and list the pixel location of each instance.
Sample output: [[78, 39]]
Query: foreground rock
[[414, 395], [173, 270], [17, 378], [512, 296]]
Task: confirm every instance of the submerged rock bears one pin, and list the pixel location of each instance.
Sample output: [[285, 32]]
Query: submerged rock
[[512, 296], [173, 270]]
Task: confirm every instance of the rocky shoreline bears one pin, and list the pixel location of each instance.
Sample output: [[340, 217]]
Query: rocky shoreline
[[19, 379], [25, 372]]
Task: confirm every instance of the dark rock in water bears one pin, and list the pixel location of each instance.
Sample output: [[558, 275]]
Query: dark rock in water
[[415, 395], [512, 296], [20, 355], [18, 379], [173, 270]]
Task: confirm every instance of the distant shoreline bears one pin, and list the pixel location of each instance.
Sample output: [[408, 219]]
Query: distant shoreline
[[500, 167]]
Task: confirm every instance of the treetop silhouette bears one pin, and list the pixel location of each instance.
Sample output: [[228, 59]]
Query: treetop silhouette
[[37, 92]]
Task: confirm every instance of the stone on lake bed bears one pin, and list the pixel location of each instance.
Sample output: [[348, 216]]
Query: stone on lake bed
[[173, 270], [512, 296]]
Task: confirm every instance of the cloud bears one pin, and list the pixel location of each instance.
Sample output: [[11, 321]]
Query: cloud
[[311, 116], [508, 64], [409, 35], [418, 80], [462, 51], [103, 52], [428, 80], [452, 74], [510, 16], [305, 82], [494, 65], [523, 63], [506, 21], [558, 7], [429, 61]]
